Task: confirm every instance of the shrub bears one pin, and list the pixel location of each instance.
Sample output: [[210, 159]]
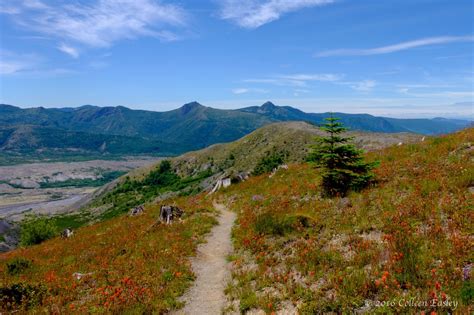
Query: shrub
[[17, 266], [35, 230], [248, 301], [270, 224], [467, 292], [21, 294], [268, 163]]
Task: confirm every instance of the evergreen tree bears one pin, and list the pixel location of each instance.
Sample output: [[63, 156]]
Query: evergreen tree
[[342, 164]]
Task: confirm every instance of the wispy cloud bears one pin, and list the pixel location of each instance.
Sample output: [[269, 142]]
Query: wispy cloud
[[255, 13], [71, 51], [330, 77], [364, 86], [239, 91], [98, 24], [441, 94], [396, 47], [11, 63], [297, 80]]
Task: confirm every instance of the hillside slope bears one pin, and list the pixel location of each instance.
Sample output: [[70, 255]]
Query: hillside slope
[[199, 170], [402, 246], [29, 138], [292, 138], [407, 237], [189, 127]]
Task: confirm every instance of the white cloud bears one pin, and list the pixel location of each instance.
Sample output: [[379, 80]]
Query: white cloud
[[296, 80], [12, 63], [443, 94], [255, 13], [396, 47], [313, 77], [239, 91], [11, 67], [71, 51], [364, 86], [98, 24]]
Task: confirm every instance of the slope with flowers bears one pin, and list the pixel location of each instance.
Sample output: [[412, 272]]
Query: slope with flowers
[[126, 264], [398, 247], [408, 238]]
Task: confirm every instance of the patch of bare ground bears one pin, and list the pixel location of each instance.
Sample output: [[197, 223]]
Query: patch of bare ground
[[211, 268]]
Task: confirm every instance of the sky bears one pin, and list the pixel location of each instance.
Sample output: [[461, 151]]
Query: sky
[[399, 58]]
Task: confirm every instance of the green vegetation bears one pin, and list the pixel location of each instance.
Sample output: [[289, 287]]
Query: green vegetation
[[36, 229], [132, 192], [272, 225], [269, 162], [407, 237], [72, 221], [105, 178], [17, 265], [25, 295], [342, 165], [32, 133]]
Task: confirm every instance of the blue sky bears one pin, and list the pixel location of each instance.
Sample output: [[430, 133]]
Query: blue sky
[[402, 58]]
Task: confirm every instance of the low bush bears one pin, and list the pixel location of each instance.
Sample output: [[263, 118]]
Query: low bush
[[21, 294], [35, 230], [18, 265], [273, 225], [268, 163]]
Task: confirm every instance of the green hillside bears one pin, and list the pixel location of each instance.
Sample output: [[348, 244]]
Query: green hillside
[[190, 127], [28, 143]]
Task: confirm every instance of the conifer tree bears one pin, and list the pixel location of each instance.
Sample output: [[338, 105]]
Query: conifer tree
[[342, 164]]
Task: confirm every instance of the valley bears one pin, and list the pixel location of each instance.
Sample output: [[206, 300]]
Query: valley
[[57, 187]]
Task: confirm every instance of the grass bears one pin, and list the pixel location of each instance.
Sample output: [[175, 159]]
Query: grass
[[408, 236], [128, 265], [132, 192]]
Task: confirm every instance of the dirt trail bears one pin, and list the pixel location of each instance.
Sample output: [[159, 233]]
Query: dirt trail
[[211, 269]]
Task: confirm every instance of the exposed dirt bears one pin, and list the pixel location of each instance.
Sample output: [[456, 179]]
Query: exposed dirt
[[20, 191], [211, 269]]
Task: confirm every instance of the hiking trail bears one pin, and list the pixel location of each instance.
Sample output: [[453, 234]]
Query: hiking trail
[[211, 268]]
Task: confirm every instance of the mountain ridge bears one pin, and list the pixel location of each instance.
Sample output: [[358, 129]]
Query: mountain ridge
[[194, 126]]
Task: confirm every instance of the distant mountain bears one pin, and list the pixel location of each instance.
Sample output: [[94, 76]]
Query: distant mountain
[[27, 139], [191, 127], [364, 122]]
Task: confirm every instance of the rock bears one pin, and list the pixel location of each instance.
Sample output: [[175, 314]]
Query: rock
[[239, 177], [287, 308], [471, 189], [79, 275], [345, 203], [137, 210], [67, 233], [10, 233], [466, 272], [257, 198]]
